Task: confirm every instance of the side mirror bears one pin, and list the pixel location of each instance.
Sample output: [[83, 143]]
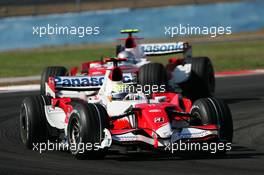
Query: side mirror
[[161, 99]]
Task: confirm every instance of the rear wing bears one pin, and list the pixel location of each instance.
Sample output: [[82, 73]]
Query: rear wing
[[166, 48]]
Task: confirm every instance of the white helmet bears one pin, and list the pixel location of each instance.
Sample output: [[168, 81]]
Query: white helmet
[[126, 54]]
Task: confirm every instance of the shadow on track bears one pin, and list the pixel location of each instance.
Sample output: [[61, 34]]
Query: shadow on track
[[238, 152], [238, 100]]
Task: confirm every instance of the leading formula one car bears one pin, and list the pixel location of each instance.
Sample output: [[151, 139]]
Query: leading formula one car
[[194, 76], [74, 114]]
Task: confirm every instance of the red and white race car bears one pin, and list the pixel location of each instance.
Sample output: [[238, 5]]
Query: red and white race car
[[76, 111], [194, 76]]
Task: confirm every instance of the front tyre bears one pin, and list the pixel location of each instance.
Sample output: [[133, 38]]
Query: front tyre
[[208, 111], [85, 130]]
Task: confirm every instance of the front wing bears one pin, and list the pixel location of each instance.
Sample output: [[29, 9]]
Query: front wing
[[201, 133]]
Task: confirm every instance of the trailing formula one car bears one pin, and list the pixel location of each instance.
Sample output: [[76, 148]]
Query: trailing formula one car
[[193, 75], [72, 113]]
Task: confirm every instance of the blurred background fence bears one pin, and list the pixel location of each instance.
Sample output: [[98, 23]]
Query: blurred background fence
[[38, 7], [19, 34]]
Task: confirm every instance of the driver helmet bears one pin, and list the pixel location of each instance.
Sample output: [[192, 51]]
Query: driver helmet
[[119, 91], [129, 55]]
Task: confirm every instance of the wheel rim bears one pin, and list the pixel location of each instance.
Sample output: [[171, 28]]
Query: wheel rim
[[24, 124], [74, 132], [197, 119]]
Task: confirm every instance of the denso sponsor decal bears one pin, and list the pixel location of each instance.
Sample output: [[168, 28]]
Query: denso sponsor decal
[[162, 48], [85, 81]]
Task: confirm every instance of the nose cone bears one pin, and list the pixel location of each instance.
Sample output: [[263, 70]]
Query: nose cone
[[156, 118], [164, 131]]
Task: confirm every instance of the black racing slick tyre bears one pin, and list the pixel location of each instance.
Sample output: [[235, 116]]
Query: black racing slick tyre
[[33, 126], [201, 83], [86, 127], [48, 72], [213, 111], [153, 74]]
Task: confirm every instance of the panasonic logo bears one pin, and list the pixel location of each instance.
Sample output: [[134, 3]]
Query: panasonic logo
[[78, 81], [167, 47], [84, 81]]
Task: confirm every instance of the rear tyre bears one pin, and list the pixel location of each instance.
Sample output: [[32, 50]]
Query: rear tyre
[[153, 74], [48, 72], [85, 127], [214, 111], [33, 125], [201, 83]]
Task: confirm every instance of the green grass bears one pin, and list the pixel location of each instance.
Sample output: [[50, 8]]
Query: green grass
[[25, 63], [225, 56]]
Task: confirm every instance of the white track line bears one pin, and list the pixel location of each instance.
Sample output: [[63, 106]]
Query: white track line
[[239, 73], [19, 79], [20, 88]]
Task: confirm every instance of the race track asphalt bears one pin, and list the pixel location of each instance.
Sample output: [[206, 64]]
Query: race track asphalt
[[245, 96]]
